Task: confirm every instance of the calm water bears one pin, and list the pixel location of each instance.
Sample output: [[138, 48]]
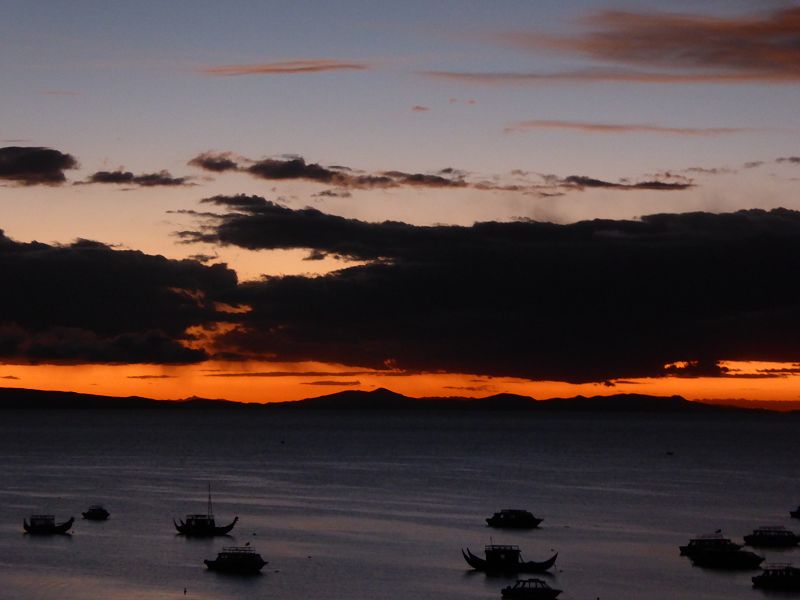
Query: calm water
[[371, 506]]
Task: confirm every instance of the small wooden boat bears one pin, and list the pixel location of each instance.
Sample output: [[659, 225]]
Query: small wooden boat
[[778, 577], [530, 589], [96, 513], [506, 559], [46, 525], [203, 525], [237, 559], [513, 518], [772, 537]]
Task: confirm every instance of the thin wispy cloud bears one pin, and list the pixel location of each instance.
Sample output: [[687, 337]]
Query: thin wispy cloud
[[287, 67], [661, 48], [588, 127]]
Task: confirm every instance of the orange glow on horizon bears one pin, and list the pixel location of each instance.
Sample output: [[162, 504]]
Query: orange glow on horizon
[[277, 382]]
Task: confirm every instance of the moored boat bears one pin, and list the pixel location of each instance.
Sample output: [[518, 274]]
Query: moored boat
[[778, 577], [795, 513], [530, 589], [46, 524], [711, 541], [237, 559], [513, 518], [502, 558], [726, 559], [774, 537], [96, 513], [203, 525]]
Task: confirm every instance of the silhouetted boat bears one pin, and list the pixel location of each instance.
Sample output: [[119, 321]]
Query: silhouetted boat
[[46, 524], [711, 541], [726, 559], [778, 577], [774, 537], [237, 559], [512, 518], [506, 559], [795, 513], [530, 589], [203, 525], [96, 513]]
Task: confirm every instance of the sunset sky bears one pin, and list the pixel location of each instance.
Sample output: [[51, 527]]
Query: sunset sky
[[270, 201]]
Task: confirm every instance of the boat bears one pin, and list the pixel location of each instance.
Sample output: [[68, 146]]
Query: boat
[[710, 541], [237, 559], [96, 513], [773, 537], [203, 525], [530, 589], [502, 558], [778, 577], [714, 558], [46, 524], [513, 518], [795, 513]]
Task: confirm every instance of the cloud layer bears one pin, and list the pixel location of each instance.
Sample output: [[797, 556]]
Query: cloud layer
[[590, 301], [287, 67]]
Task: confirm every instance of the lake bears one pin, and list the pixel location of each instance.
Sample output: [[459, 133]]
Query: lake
[[378, 505]]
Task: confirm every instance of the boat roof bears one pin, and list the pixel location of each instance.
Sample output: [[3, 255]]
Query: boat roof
[[501, 547], [238, 550], [513, 510], [709, 536], [531, 583], [774, 529]]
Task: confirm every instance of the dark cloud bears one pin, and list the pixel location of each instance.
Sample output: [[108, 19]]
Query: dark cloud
[[151, 376], [13, 377], [591, 301], [86, 302], [345, 178], [795, 160], [34, 166], [334, 383], [120, 177], [581, 182]]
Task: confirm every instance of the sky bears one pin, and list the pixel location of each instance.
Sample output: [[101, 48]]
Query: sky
[[271, 201]]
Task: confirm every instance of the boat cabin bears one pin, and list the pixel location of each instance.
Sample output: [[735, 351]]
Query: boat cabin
[[499, 555], [42, 521], [200, 521], [530, 584]]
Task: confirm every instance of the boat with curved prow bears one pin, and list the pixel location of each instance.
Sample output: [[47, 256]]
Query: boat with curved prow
[[502, 558], [530, 589], [203, 525], [46, 525], [513, 518], [237, 559]]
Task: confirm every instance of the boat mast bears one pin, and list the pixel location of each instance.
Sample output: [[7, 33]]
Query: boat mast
[[210, 512]]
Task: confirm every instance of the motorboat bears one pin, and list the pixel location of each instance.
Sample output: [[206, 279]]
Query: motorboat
[[513, 518], [203, 525], [46, 524], [773, 537], [96, 513], [710, 541], [530, 589], [237, 559], [795, 513], [737, 558], [778, 577], [503, 558]]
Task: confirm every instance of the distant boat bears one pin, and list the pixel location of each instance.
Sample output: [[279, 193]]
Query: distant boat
[[726, 559], [773, 537], [530, 589], [795, 513], [513, 518], [506, 559], [96, 513], [46, 524], [778, 577], [203, 525], [237, 559], [710, 541]]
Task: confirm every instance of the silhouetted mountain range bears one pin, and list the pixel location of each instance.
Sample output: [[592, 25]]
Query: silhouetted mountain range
[[379, 399]]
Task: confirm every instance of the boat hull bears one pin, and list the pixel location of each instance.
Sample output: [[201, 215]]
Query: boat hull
[[190, 531], [480, 564], [732, 560], [251, 568], [59, 529]]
